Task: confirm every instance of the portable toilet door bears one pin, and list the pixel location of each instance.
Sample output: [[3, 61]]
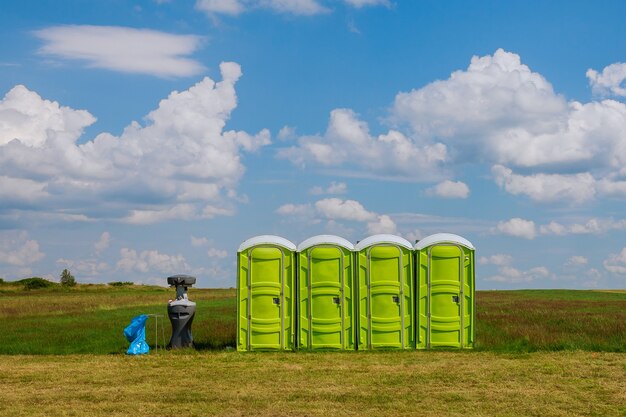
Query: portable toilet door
[[265, 279], [385, 279], [445, 292], [325, 294]]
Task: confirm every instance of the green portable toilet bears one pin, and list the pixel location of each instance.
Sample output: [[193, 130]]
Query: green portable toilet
[[265, 292], [445, 292], [385, 293], [325, 293]]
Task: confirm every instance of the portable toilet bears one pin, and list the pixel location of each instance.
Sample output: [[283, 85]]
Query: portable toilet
[[265, 294], [385, 293], [445, 291], [325, 294]]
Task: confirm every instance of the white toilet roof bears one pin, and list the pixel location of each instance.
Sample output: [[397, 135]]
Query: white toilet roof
[[325, 239], [443, 238], [384, 238], [267, 240]]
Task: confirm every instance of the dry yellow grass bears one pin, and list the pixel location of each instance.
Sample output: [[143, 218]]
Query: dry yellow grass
[[321, 384]]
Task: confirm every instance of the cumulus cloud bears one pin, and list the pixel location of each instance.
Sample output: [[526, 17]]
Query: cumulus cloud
[[577, 261], [227, 7], [236, 7], [366, 3], [611, 81], [349, 143], [298, 210], [498, 259], [141, 51], [103, 243], [151, 261], [286, 133], [16, 249], [84, 268], [199, 241], [546, 187], [498, 111], [181, 164], [616, 262], [31, 120], [511, 275], [449, 189], [333, 188], [217, 253], [506, 273], [592, 226], [518, 227], [382, 224], [335, 209]]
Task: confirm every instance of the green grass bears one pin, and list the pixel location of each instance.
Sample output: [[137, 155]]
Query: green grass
[[91, 319], [552, 320], [43, 329]]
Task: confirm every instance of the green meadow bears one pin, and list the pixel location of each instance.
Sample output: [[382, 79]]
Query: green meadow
[[91, 319], [539, 353]]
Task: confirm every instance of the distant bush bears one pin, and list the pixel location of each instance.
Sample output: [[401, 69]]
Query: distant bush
[[1, 281], [36, 283], [120, 283], [67, 279]]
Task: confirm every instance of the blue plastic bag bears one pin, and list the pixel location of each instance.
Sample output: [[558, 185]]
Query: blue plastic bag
[[135, 333]]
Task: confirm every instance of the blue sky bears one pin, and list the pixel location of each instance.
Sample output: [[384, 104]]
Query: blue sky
[[142, 139]]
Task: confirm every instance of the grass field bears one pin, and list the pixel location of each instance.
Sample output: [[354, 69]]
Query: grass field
[[539, 353], [90, 319], [320, 384]]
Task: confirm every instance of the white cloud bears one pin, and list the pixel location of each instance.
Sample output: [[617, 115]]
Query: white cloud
[[616, 262], [366, 3], [84, 268], [151, 261], [217, 253], [382, 224], [299, 210], [611, 81], [449, 189], [287, 133], [334, 210], [228, 7], [337, 209], [333, 188], [495, 92], [498, 259], [296, 7], [180, 165], [576, 261], [16, 249], [236, 7], [26, 117], [547, 187], [518, 227], [103, 243], [141, 51], [500, 112], [414, 235], [21, 190], [592, 226], [199, 241], [511, 275], [348, 143]]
